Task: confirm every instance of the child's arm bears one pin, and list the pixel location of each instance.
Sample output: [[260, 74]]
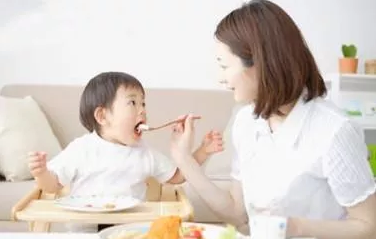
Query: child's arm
[[200, 155], [212, 143], [178, 178], [46, 180]]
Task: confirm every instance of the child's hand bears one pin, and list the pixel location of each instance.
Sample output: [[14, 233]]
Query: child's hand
[[37, 163], [212, 143]]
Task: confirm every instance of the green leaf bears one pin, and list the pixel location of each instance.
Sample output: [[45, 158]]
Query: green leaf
[[349, 51], [228, 233]]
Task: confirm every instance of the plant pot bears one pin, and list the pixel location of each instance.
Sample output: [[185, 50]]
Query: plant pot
[[348, 65], [370, 67]]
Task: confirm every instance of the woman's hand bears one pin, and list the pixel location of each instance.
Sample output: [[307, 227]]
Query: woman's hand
[[292, 229], [182, 137]]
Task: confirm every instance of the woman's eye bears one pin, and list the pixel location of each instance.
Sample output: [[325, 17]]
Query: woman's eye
[[223, 67], [132, 102], [143, 104]]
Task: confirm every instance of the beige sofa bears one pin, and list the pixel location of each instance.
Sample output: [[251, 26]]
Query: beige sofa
[[60, 104]]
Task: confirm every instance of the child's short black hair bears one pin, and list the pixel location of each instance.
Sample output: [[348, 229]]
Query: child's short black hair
[[100, 91]]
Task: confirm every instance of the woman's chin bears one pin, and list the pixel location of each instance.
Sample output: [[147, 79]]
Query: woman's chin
[[240, 100]]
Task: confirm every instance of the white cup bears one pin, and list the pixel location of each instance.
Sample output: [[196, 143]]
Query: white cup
[[267, 227]]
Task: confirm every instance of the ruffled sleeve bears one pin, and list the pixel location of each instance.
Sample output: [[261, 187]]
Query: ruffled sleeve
[[346, 166]]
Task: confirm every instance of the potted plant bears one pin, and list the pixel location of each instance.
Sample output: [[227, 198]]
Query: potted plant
[[349, 62]]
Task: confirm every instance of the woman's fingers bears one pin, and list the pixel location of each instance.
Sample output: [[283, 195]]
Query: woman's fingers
[[186, 125], [182, 117], [189, 124], [178, 127]]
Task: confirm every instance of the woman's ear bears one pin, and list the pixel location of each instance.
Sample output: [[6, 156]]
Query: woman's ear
[[100, 115]]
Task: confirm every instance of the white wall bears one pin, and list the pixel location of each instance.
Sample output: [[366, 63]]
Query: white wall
[[327, 24], [168, 43]]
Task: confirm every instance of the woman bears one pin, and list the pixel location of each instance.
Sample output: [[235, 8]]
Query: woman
[[297, 155]]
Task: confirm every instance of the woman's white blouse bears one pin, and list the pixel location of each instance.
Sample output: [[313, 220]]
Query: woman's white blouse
[[313, 165]]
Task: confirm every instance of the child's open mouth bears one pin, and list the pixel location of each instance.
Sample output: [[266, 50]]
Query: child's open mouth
[[137, 131]]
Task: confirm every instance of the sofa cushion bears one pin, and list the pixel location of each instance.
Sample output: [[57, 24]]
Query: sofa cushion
[[23, 128], [11, 193]]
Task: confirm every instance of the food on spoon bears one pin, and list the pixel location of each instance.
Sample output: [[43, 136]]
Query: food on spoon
[[142, 127]]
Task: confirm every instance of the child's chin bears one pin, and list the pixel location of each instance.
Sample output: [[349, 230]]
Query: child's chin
[[131, 141], [137, 136]]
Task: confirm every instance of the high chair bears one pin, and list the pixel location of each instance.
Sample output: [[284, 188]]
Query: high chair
[[38, 209]]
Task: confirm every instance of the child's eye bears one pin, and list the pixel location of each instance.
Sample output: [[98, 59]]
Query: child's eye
[[223, 67], [132, 102], [143, 104]]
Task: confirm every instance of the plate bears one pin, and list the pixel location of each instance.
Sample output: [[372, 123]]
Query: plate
[[210, 231], [97, 203]]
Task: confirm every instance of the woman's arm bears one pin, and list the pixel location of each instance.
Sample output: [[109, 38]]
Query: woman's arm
[[350, 179], [200, 156], [359, 224], [227, 205]]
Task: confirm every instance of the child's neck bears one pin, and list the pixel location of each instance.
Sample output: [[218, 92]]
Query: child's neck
[[107, 137]]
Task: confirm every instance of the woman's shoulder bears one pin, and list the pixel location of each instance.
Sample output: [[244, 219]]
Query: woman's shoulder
[[325, 111], [329, 118]]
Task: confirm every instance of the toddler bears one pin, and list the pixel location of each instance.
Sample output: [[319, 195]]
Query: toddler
[[112, 159]]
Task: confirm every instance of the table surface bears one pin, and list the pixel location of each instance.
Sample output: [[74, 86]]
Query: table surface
[[46, 210]]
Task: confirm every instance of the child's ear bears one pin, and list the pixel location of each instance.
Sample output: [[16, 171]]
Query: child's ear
[[100, 115]]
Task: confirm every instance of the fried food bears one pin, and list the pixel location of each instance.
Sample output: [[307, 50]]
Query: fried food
[[165, 228]]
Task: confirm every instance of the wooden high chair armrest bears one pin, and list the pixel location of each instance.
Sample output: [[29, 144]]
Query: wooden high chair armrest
[[34, 194], [23, 202]]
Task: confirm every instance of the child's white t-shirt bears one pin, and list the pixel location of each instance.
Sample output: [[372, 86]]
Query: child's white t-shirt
[[91, 165]]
